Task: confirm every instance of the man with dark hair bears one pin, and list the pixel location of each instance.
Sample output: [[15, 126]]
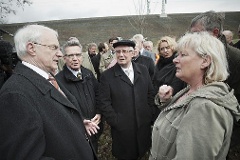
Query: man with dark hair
[[108, 59], [8, 60], [102, 49]]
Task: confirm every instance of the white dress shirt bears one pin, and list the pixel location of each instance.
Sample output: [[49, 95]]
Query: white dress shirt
[[129, 72]]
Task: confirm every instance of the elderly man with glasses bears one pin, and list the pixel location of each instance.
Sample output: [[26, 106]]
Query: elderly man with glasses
[[39, 118], [126, 101]]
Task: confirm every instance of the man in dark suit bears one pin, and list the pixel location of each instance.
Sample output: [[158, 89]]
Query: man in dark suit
[[126, 101], [102, 49], [37, 120], [80, 82], [144, 60]]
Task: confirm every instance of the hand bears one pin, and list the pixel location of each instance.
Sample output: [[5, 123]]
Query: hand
[[96, 119], [90, 126], [165, 93]]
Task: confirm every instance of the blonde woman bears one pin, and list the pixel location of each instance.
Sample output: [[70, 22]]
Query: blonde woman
[[197, 122]]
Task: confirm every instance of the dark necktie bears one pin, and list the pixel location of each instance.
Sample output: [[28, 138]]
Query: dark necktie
[[79, 75]]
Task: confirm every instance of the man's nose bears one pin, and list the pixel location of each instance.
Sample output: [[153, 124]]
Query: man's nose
[[59, 53]]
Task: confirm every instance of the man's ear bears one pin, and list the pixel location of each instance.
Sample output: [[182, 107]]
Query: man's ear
[[206, 62], [31, 48], [216, 32]]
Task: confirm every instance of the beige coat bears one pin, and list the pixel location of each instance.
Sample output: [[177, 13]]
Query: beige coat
[[198, 127], [106, 60]]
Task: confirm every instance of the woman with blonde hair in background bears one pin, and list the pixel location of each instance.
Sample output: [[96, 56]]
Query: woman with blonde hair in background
[[165, 69]]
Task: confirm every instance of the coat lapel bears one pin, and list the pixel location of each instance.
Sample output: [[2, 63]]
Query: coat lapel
[[119, 72], [46, 87], [68, 101], [137, 72]]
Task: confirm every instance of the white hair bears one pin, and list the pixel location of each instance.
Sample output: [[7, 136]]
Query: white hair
[[29, 33], [138, 38]]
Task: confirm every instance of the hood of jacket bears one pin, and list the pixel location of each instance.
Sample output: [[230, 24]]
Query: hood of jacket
[[217, 92]]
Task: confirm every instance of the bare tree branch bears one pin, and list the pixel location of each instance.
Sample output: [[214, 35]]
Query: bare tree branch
[[7, 7], [138, 22]]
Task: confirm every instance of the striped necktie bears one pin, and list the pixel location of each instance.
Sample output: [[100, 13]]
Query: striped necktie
[[53, 81]]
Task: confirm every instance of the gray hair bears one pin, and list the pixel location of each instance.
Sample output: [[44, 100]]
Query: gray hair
[[90, 45], [29, 33], [227, 33], [204, 45], [138, 38], [72, 41], [209, 20]]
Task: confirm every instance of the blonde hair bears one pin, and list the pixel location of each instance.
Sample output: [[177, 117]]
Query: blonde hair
[[171, 42], [204, 45]]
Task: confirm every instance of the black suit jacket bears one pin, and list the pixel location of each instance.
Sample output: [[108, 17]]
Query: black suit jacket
[[84, 90], [146, 61], [96, 62], [38, 122]]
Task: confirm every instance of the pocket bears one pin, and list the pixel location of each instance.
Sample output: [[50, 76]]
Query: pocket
[[164, 136]]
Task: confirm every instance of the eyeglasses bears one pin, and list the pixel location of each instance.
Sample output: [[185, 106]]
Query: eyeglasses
[[78, 55], [123, 51], [52, 47]]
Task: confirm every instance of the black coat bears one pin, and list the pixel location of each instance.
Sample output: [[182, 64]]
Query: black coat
[[38, 122], [96, 61], [85, 89], [146, 61], [128, 110], [165, 71]]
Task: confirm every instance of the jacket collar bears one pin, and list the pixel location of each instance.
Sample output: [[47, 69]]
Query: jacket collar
[[119, 72], [217, 92], [71, 77], [44, 86]]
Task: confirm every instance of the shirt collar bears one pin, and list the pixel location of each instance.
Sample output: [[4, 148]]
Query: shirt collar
[[74, 72], [36, 69], [130, 68]]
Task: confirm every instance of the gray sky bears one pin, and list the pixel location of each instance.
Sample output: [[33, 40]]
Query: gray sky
[[44, 10]]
